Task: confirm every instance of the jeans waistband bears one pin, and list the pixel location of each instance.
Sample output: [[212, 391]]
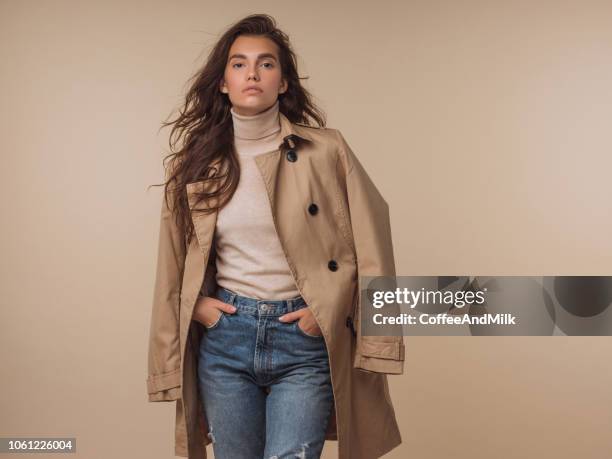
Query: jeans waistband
[[256, 305]]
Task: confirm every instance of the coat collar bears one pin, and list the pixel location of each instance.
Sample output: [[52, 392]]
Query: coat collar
[[290, 129]]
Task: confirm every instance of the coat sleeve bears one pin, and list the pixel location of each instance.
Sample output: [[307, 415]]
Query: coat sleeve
[[164, 357], [370, 224]]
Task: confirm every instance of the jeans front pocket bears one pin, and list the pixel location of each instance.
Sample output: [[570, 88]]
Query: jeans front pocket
[[297, 328], [216, 324]]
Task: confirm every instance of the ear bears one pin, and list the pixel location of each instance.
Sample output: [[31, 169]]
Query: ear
[[223, 86], [283, 86]]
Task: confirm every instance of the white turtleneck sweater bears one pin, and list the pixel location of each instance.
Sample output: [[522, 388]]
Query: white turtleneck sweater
[[250, 258]]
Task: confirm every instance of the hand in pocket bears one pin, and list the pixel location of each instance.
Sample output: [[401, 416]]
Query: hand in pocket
[[306, 321], [208, 310]]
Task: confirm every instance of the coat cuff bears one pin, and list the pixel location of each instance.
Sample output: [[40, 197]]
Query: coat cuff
[[391, 350], [373, 365], [169, 395], [381, 357], [165, 386]]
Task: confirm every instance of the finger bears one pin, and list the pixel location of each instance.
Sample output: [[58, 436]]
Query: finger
[[225, 307], [291, 316]]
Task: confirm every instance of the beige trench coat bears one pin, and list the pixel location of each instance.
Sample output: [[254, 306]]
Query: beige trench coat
[[352, 227]]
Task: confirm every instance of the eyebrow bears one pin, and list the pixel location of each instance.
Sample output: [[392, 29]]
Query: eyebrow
[[261, 56]]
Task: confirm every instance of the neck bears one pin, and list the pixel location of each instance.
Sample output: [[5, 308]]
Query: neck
[[253, 127]]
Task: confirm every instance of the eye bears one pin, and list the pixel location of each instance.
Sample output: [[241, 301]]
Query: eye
[[269, 63], [237, 63]]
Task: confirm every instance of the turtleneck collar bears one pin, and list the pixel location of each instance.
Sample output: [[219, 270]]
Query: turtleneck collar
[[253, 127]]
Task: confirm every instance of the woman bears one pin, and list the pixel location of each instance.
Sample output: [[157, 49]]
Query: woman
[[266, 225]]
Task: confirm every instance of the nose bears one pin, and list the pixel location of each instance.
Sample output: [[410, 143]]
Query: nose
[[253, 75]]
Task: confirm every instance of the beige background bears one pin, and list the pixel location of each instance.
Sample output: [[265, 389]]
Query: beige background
[[485, 124]]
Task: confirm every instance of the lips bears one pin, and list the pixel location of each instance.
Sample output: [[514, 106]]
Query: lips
[[252, 90]]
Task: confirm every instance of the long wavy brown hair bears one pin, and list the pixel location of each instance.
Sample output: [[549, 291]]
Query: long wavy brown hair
[[204, 130]]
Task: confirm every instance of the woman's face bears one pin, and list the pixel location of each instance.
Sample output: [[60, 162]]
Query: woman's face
[[252, 62]]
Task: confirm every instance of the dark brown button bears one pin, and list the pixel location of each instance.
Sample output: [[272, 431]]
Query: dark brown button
[[332, 265], [291, 156], [313, 208]]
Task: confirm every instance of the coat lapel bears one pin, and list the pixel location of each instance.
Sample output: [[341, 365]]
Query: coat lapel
[[269, 163], [203, 224]]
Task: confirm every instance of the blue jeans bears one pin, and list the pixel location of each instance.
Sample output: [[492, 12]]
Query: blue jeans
[[265, 385]]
